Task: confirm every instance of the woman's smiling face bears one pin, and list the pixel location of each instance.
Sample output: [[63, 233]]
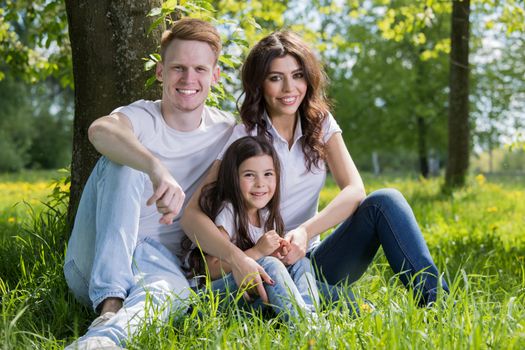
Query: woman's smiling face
[[284, 87]]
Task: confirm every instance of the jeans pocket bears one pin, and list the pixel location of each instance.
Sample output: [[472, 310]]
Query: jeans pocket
[[76, 282]]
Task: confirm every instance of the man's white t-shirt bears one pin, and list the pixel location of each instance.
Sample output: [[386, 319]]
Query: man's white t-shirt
[[300, 188], [226, 219], [187, 155]]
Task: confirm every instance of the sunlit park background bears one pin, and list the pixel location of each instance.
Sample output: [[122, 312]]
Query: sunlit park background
[[394, 84]]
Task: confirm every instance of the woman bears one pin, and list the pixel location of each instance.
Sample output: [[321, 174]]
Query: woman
[[284, 88]]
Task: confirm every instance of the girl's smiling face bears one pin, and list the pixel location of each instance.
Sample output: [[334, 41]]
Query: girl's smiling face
[[257, 181]]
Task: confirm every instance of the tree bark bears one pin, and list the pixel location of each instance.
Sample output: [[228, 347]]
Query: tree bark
[[458, 118], [108, 41], [422, 147]]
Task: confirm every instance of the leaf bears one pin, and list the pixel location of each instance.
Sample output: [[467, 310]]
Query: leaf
[[156, 11], [149, 64], [251, 21], [155, 24], [241, 42], [151, 80]]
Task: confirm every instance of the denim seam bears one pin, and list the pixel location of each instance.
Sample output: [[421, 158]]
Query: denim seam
[[71, 264]]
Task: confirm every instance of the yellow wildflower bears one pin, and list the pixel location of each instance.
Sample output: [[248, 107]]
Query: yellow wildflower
[[480, 179], [365, 307], [11, 219], [492, 210]]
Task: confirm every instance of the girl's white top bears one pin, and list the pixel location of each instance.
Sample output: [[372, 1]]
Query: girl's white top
[[226, 219]]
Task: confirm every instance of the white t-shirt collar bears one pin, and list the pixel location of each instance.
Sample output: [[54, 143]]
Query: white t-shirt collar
[[298, 132]]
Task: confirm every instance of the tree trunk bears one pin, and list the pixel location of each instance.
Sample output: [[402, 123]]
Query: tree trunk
[[458, 118], [375, 163], [108, 41], [422, 146], [421, 122]]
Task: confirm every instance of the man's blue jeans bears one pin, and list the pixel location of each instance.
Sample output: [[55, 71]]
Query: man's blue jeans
[[105, 258], [384, 218]]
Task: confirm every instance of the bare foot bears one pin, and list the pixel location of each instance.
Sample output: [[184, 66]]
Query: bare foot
[[110, 305]]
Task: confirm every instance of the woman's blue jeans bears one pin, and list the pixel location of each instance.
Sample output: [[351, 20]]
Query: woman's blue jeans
[[384, 218]]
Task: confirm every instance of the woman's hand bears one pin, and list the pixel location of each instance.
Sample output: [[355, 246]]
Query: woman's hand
[[250, 275], [268, 243], [298, 240]]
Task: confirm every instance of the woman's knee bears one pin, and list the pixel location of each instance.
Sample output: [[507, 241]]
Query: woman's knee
[[385, 196]]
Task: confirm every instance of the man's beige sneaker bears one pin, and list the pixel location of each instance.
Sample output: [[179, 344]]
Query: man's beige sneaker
[[101, 320], [93, 343]]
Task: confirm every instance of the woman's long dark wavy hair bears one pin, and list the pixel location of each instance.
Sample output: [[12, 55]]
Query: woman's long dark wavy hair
[[215, 195], [313, 109]]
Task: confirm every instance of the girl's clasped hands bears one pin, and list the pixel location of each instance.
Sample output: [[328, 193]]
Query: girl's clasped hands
[[271, 244]]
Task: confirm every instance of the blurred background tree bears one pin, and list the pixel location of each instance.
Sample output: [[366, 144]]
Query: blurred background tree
[[36, 82], [388, 61]]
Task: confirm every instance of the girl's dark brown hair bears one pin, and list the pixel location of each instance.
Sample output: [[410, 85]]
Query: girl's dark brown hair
[[313, 109], [227, 189]]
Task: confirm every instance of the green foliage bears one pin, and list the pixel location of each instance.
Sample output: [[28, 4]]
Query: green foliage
[[35, 125], [34, 41], [16, 129], [387, 61], [35, 128], [514, 161], [34, 294], [51, 144], [499, 92], [385, 85]]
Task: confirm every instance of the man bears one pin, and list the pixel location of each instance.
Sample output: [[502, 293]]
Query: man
[[123, 250]]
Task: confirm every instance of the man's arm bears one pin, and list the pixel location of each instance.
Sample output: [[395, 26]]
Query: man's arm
[[113, 137]]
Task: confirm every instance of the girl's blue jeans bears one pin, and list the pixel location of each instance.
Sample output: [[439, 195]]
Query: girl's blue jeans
[[294, 293], [385, 219]]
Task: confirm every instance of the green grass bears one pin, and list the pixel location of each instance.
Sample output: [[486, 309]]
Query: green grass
[[476, 236]]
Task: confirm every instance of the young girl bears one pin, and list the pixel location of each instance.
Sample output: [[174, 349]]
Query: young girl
[[244, 204]]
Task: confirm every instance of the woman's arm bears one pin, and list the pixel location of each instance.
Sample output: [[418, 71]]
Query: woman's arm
[[202, 230], [266, 245], [216, 266], [341, 207]]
